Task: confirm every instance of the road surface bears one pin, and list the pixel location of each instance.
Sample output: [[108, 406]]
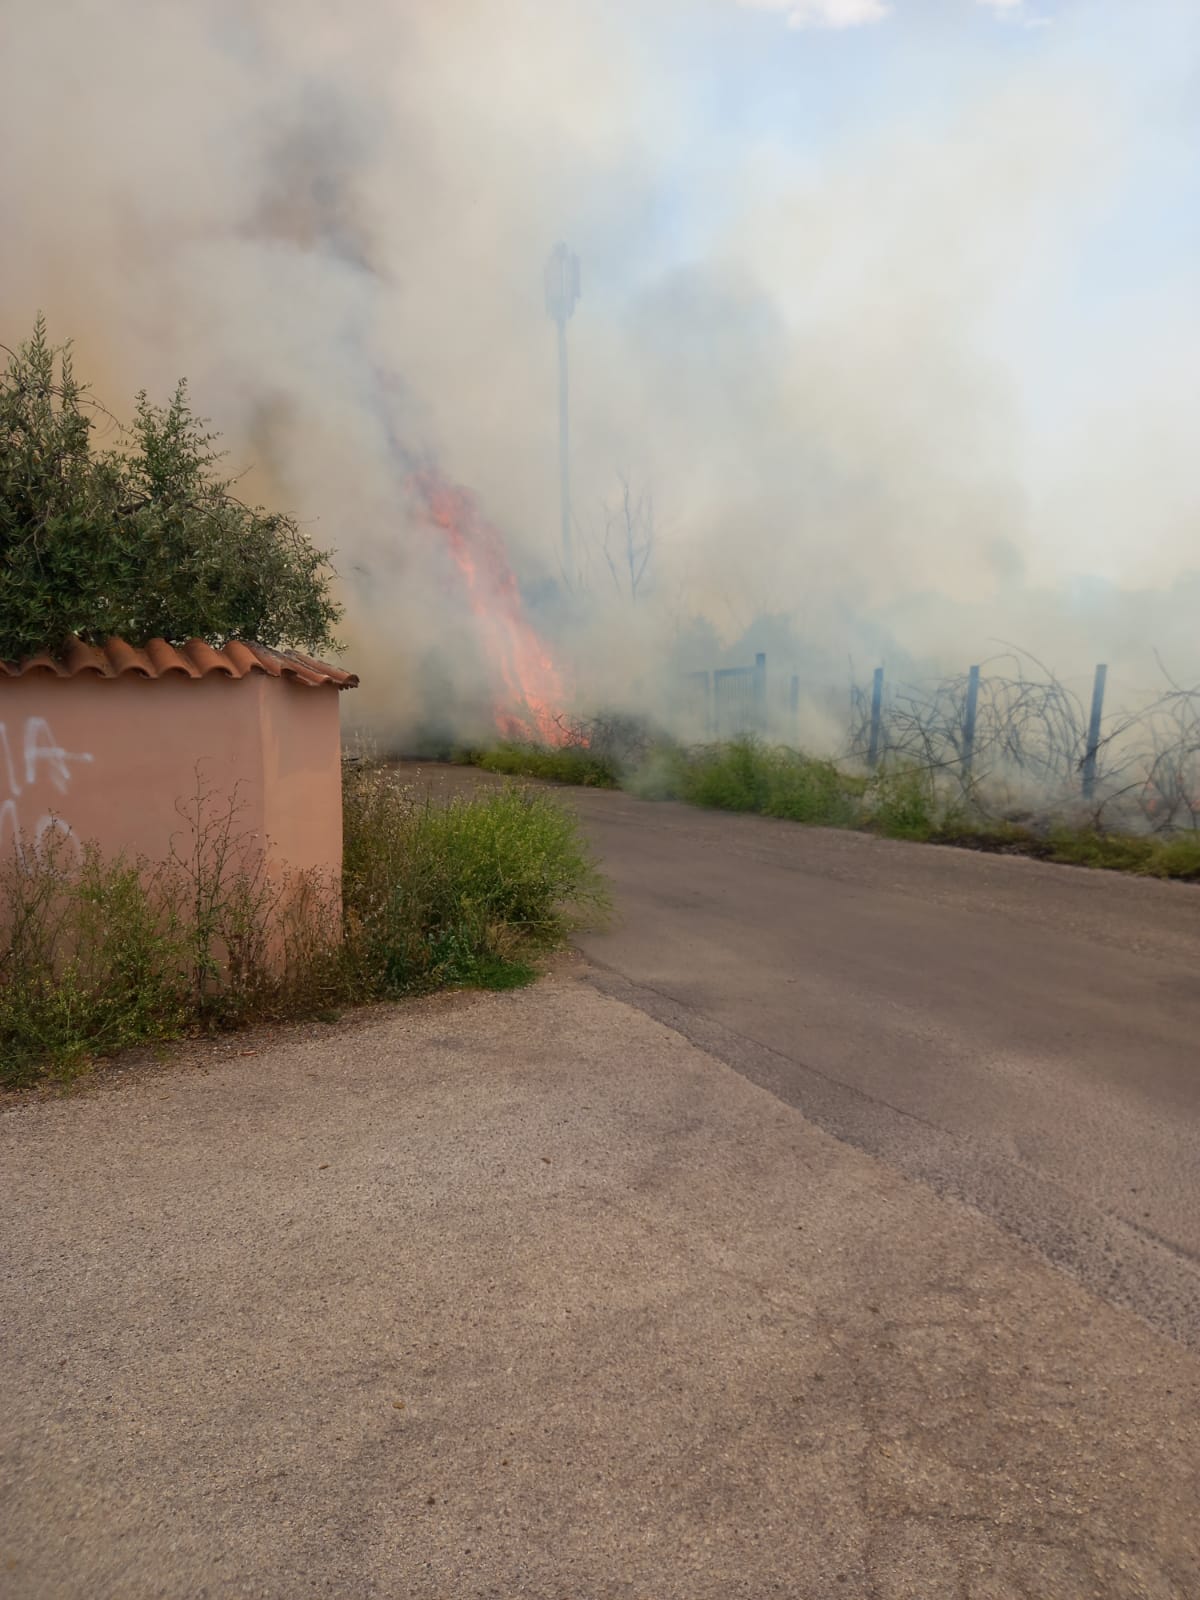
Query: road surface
[[1022, 1036], [525, 1295]]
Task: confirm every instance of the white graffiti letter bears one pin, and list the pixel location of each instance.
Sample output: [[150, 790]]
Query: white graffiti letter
[[13, 786], [40, 746]]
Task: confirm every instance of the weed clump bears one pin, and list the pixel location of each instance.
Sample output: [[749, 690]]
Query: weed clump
[[96, 962], [901, 802], [460, 893], [101, 955]]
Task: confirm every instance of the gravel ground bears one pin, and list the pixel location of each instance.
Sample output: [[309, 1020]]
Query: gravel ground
[[526, 1295]]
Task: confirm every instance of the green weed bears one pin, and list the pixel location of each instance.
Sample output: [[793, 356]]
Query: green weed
[[99, 956], [569, 764], [438, 894], [740, 775], [897, 802], [1151, 855], [96, 962], [901, 803]]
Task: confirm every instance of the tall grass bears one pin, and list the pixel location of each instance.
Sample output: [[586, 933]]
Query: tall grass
[[100, 955]]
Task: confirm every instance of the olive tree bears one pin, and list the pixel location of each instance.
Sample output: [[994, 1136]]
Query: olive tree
[[140, 540]]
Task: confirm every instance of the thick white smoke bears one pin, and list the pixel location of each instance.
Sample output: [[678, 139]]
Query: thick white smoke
[[333, 220]]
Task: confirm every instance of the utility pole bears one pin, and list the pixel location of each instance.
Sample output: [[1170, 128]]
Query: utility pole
[[562, 292]]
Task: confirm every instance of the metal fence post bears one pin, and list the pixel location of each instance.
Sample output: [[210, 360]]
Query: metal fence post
[[969, 720], [1093, 738], [876, 718], [794, 706], [760, 692]]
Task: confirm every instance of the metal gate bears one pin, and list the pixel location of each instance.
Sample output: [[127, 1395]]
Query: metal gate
[[740, 700]]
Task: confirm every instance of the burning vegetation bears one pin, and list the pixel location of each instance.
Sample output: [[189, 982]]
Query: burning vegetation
[[527, 686]]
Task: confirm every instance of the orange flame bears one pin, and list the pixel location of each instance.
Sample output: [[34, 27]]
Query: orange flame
[[528, 700]]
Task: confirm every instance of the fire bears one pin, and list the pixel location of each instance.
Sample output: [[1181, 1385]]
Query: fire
[[529, 699]]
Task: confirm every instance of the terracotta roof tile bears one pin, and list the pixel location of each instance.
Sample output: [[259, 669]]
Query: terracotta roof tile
[[79, 657], [205, 659], [161, 658], [195, 659]]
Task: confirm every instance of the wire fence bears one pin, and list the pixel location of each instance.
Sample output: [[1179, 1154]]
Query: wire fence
[[1012, 736]]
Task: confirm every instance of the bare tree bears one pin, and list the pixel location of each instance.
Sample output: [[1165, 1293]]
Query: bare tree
[[629, 538]]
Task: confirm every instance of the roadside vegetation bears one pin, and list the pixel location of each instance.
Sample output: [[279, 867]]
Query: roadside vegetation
[[567, 764], [899, 801], [144, 536], [98, 956]]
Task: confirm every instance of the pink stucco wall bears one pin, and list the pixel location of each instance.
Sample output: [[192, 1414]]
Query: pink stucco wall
[[107, 758]]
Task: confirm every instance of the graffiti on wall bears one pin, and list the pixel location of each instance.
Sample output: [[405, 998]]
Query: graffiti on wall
[[35, 779]]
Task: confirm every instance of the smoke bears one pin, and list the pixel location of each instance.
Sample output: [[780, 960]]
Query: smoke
[[815, 342]]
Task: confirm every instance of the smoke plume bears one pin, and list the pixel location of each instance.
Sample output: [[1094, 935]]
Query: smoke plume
[[805, 374]]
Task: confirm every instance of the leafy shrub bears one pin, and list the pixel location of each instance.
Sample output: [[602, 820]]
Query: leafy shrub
[[453, 893], [807, 789], [731, 777], [141, 541]]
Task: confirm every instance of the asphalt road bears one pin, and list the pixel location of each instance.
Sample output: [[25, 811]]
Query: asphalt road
[[1024, 1037]]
